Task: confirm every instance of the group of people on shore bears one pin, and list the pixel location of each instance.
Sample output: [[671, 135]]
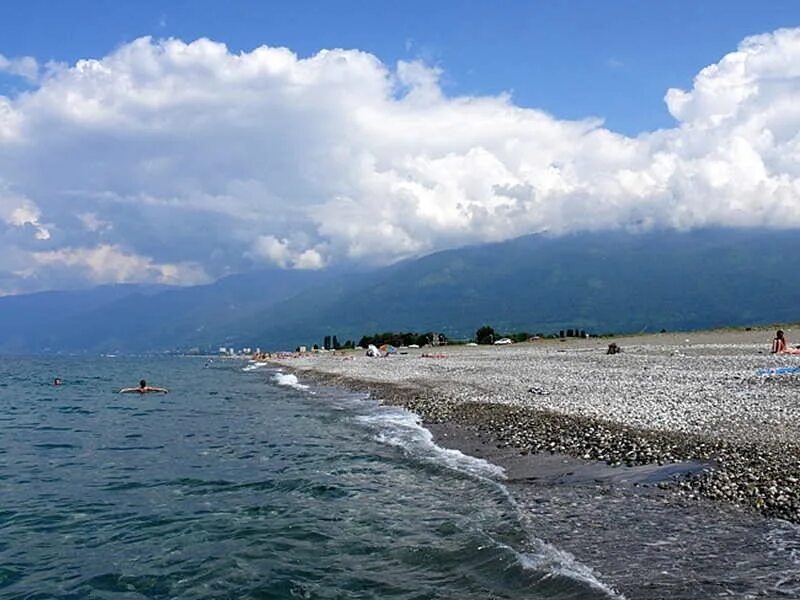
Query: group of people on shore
[[780, 345]]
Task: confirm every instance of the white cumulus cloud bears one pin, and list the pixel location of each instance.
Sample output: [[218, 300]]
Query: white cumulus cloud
[[92, 223], [19, 211], [197, 160], [111, 264], [25, 67], [279, 252]]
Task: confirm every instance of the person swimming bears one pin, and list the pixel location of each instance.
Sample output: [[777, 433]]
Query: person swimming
[[143, 389]]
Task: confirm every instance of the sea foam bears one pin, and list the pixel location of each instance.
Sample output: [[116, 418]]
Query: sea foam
[[254, 366], [401, 428], [288, 380]]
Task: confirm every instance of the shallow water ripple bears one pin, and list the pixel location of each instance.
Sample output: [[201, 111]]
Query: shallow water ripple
[[238, 485]]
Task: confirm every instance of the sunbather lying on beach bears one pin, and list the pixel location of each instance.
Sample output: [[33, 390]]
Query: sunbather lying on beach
[[781, 346], [143, 389]]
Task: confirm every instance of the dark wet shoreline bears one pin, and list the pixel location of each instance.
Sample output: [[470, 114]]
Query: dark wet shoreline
[[651, 530], [759, 476]]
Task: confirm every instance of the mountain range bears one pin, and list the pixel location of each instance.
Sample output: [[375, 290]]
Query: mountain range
[[600, 282]]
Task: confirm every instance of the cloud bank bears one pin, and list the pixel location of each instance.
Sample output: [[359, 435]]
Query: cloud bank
[[179, 162]]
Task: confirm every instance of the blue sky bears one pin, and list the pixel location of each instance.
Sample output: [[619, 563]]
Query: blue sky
[[178, 142], [575, 59]]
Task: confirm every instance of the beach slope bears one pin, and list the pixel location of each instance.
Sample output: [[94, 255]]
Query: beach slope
[[666, 398]]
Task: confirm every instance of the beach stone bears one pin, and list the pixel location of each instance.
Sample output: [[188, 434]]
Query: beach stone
[[662, 402]]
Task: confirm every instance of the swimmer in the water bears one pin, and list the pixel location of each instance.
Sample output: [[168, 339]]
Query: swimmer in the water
[[143, 389]]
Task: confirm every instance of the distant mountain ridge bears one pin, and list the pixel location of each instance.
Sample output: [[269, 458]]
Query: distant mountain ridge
[[141, 318], [600, 282]]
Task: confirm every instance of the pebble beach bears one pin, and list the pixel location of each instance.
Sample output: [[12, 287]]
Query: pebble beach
[[665, 399]]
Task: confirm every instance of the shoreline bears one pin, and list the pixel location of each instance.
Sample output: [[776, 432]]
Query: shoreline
[[738, 463]]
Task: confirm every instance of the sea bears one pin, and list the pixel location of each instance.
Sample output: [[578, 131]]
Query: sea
[[244, 482]]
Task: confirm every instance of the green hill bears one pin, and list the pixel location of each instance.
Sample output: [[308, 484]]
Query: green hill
[[599, 282]]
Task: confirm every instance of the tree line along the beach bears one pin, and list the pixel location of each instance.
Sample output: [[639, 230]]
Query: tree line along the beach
[[394, 338], [485, 334]]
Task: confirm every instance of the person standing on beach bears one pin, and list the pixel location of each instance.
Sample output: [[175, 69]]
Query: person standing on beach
[[781, 346]]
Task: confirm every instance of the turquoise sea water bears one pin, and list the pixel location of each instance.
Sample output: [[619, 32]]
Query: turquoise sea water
[[247, 484]]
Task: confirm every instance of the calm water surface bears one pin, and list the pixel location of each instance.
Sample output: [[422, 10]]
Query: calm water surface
[[244, 483]]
